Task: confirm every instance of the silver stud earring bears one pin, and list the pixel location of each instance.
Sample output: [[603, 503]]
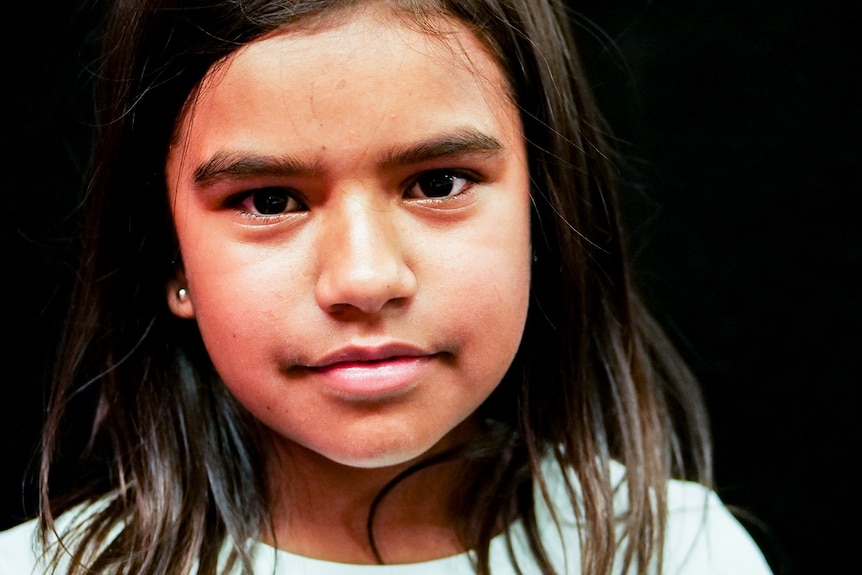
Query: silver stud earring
[[183, 294]]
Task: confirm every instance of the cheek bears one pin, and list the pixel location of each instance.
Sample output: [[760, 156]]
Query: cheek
[[244, 302], [504, 307], [486, 295]]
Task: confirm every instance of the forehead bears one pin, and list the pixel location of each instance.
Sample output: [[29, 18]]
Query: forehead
[[302, 49], [346, 96]]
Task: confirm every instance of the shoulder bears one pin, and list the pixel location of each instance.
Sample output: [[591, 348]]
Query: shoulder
[[20, 551], [703, 536]]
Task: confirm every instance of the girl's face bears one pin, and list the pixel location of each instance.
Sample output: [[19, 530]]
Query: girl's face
[[352, 207]]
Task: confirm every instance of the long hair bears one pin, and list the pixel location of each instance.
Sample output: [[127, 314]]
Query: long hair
[[175, 460]]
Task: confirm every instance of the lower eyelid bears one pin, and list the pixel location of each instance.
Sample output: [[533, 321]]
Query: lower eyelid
[[253, 216]]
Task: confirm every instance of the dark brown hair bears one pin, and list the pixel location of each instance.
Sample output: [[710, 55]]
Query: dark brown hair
[[175, 459]]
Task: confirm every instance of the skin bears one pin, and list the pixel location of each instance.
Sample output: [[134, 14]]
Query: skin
[[362, 322]]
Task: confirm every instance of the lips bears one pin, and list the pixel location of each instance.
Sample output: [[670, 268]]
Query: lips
[[367, 354], [371, 373]]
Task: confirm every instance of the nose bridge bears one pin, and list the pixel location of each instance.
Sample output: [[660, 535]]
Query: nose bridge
[[361, 255]]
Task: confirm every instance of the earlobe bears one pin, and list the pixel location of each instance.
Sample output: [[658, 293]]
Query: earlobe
[[179, 297]]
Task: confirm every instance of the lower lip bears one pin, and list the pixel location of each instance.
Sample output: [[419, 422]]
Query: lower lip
[[372, 380]]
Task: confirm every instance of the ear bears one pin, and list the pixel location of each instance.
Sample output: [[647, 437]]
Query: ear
[[179, 296]]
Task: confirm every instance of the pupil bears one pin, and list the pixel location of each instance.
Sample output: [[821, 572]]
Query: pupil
[[439, 185], [270, 201]]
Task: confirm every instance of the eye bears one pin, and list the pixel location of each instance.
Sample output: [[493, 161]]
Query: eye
[[438, 184], [268, 202]]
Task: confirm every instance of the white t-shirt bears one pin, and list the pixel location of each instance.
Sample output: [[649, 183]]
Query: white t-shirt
[[702, 538]]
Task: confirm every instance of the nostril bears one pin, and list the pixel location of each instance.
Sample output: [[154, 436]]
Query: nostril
[[366, 284]]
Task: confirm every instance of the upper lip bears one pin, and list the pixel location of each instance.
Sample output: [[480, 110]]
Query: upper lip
[[367, 353]]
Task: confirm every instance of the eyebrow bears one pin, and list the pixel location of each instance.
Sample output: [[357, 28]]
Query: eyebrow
[[459, 143], [227, 165]]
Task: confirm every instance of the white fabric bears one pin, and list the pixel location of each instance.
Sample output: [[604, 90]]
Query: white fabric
[[703, 538]]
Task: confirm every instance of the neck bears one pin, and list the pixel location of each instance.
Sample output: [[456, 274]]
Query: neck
[[321, 509]]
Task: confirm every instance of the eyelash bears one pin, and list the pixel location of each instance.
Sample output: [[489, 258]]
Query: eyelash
[[288, 195], [470, 179], [240, 202]]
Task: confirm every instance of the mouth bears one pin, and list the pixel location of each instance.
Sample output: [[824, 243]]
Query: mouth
[[367, 355], [371, 373]]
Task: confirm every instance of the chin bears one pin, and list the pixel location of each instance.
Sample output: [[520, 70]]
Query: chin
[[380, 458]]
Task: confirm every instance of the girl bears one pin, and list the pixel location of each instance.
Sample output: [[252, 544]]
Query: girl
[[353, 293]]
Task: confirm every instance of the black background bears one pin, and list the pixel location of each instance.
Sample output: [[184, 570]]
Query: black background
[[743, 119]]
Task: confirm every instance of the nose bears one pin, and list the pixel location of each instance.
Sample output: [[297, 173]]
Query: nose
[[362, 258]]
